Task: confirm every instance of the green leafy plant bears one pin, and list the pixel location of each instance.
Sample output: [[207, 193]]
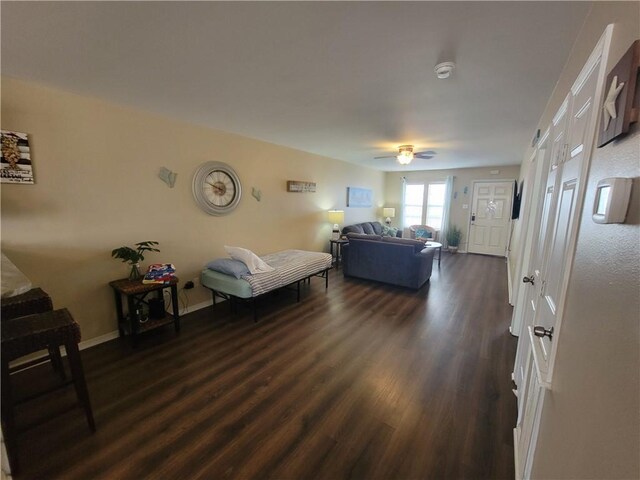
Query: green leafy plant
[[128, 254], [454, 234]]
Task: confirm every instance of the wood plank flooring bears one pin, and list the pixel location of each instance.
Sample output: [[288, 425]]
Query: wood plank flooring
[[362, 381]]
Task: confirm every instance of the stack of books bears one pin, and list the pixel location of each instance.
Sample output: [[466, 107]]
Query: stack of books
[[160, 273]]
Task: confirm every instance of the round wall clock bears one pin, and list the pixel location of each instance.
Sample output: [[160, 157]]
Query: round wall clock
[[216, 188]]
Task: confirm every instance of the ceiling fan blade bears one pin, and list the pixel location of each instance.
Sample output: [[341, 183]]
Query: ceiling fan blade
[[427, 152], [427, 157], [389, 156]]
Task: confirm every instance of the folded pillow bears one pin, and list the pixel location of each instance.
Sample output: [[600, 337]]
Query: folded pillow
[[228, 266], [253, 262]]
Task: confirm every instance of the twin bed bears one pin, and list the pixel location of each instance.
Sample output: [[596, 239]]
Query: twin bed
[[290, 267]]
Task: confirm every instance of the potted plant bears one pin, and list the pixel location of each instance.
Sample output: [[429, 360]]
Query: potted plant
[[453, 238], [128, 254]]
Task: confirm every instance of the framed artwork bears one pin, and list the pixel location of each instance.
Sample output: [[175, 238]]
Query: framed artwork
[[359, 197], [15, 163], [621, 96]]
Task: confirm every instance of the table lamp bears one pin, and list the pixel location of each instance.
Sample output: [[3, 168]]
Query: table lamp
[[336, 217], [389, 213]]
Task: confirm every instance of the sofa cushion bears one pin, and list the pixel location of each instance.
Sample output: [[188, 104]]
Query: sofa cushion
[[352, 229], [377, 228], [364, 236], [368, 229], [418, 246]]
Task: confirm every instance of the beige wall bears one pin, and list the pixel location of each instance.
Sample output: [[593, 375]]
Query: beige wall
[[96, 167], [590, 424], [464, 177]]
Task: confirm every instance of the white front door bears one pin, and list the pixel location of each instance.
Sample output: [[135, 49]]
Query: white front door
[[490, 217]]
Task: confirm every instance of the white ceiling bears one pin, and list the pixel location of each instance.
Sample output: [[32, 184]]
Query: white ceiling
[[345, 80]]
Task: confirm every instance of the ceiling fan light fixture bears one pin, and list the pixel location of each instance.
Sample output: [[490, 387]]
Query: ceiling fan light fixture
[[405, 154]]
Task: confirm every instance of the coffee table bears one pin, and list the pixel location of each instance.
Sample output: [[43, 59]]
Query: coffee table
[[435, 245]]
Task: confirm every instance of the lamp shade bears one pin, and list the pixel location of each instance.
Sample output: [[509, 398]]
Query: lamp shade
[[388, 212], [336, 216]]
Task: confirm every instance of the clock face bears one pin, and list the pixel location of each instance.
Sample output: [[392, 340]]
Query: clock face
[[216, 188]]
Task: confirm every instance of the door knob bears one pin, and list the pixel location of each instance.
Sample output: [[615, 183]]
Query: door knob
[[540, 331], [529, 280]]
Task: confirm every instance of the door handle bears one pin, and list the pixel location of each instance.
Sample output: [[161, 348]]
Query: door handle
[[540, 331], [529, 280], [473, 217]]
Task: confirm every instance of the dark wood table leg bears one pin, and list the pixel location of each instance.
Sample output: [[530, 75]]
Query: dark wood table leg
[[119, 312], [133, 319], [439, 256], [176, 309]]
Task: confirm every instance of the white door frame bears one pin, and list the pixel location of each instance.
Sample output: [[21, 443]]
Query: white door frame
[[473, 188]]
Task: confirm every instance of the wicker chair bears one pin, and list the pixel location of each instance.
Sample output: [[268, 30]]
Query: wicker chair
[[24, 335]]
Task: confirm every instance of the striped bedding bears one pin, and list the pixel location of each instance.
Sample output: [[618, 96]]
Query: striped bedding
[[290, 266]]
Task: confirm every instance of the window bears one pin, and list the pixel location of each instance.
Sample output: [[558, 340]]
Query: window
[[413, 202], [419, 196]]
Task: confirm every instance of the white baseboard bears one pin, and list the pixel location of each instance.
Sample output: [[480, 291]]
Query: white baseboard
[[509, 281]]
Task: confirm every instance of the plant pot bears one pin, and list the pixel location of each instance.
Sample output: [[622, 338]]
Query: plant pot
[[134, 274], [453, 249]]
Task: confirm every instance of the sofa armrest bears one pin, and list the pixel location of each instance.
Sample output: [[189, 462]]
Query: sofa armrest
[[424, 260]]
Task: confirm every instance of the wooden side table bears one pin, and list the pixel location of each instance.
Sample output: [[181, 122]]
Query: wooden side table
[[338, 243], [135, 293]]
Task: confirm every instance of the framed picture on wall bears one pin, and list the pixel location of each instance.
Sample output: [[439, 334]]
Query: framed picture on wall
[[359, 197], [15, 163]]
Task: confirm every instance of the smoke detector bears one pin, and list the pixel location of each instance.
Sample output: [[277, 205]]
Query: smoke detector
[[443, 70]]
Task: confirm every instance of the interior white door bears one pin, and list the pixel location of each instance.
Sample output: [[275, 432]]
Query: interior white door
[[490, 217], [533, 279], [572, 178], [553, 254]]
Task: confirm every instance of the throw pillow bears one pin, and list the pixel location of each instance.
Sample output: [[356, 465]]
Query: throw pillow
[[423, 233], [228, 266], [389, 231], [253, 262]]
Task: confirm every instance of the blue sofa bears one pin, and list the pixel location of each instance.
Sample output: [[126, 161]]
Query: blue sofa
[[397, 261]]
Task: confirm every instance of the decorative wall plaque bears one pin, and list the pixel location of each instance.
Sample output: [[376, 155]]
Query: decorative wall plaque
[[300, 187], [621, 96]]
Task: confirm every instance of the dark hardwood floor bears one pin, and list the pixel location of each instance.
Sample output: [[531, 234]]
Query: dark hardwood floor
[[361, 381]]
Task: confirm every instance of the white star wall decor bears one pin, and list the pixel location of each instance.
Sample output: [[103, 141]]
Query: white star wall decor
[[609, 107]]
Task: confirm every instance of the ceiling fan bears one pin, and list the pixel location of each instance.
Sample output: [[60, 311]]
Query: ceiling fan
[[406, 154]]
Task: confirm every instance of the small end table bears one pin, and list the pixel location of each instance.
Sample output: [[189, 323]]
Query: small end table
[[135, 292], [338, 243], [435, 245]]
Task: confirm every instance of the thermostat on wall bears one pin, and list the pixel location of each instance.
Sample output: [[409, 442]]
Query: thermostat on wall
[[612, 200]]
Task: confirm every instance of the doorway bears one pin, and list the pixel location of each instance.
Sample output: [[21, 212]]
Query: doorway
[[490, 223]]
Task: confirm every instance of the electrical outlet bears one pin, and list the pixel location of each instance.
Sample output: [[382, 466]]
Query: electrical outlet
[[189, 285]]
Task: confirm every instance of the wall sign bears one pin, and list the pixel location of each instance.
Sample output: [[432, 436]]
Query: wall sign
[[15, 163], [300, 187]]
